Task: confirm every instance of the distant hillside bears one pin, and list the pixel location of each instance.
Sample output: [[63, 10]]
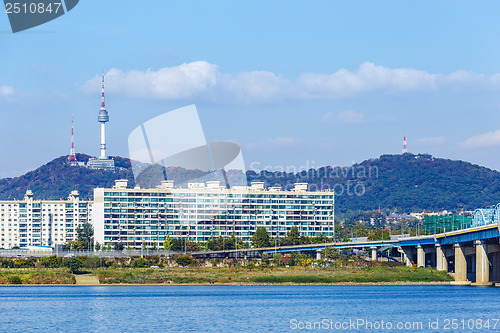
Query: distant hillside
[[57, 179], [394, 182], [403, 182]]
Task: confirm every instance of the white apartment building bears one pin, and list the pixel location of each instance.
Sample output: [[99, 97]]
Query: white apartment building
[[41, 222], [137, 217]]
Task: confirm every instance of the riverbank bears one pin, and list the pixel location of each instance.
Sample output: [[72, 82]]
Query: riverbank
[[36, 276], [225, 276], [277, 275]]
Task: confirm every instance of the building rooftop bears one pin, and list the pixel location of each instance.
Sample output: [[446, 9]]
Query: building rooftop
[[216, 186]]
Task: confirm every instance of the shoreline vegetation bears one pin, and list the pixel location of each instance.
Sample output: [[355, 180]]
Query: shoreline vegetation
[[185, 270], [277, 275]]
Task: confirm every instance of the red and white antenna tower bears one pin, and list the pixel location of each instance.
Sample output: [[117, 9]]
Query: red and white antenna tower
[[72, 156], [404, 144]]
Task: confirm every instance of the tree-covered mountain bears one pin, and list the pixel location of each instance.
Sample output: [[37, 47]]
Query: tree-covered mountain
[[401, 182], [57, 179], [393, 182]]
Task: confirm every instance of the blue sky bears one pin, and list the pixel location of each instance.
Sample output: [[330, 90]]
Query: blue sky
[[294, 83]]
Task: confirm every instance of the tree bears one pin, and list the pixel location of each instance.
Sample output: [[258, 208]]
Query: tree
[[184, 260], [293, 236], [97, 246], [74, 245], [177, 244], [261, 238], [192, 246], [14, 279], [52, 262], [321, 238], [359, 230], [74, 264], [264, 258], [119, 246], [305, 261], [222, 243], [277, 259], [140, 262], [287, 260], [330, 253], [304, 240], [379, 234], [85, 235], [250, 265], [167, 244]]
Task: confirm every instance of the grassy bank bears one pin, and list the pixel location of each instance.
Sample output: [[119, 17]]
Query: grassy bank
[[36, 276], [277, 275]]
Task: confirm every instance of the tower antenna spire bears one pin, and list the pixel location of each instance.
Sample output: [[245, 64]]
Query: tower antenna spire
[[405, 150], [72, 155], [103, 102]]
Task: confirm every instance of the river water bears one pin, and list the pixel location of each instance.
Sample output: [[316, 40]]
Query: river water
[[358, 308]]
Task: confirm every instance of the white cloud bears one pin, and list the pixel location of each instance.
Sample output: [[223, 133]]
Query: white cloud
[[328, 117], [368, 77], [31, 98], [350, 117], [204, 80], [183, 81], [483, 140], [431, 141], [6, 91]]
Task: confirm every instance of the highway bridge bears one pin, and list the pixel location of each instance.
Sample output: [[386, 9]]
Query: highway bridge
[[472, 255]]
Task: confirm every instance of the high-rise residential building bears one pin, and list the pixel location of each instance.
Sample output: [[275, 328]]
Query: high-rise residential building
[[42, 222], [145, 217]]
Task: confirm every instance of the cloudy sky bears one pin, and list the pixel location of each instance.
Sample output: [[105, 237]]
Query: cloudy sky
[[294, 83]]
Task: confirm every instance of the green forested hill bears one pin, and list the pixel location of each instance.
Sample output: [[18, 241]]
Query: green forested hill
[[56, 180], [393, 182], [403, 182]]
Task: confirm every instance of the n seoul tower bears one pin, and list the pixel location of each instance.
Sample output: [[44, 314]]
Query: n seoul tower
[[103, 118], [102, 162]]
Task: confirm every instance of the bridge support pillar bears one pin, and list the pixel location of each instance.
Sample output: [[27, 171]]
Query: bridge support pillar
[[374, 253], [441, 261], [460, 264], [420, 256], [496, 266], [406, 256], [318, 254], [482, 264], [407, 260]]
